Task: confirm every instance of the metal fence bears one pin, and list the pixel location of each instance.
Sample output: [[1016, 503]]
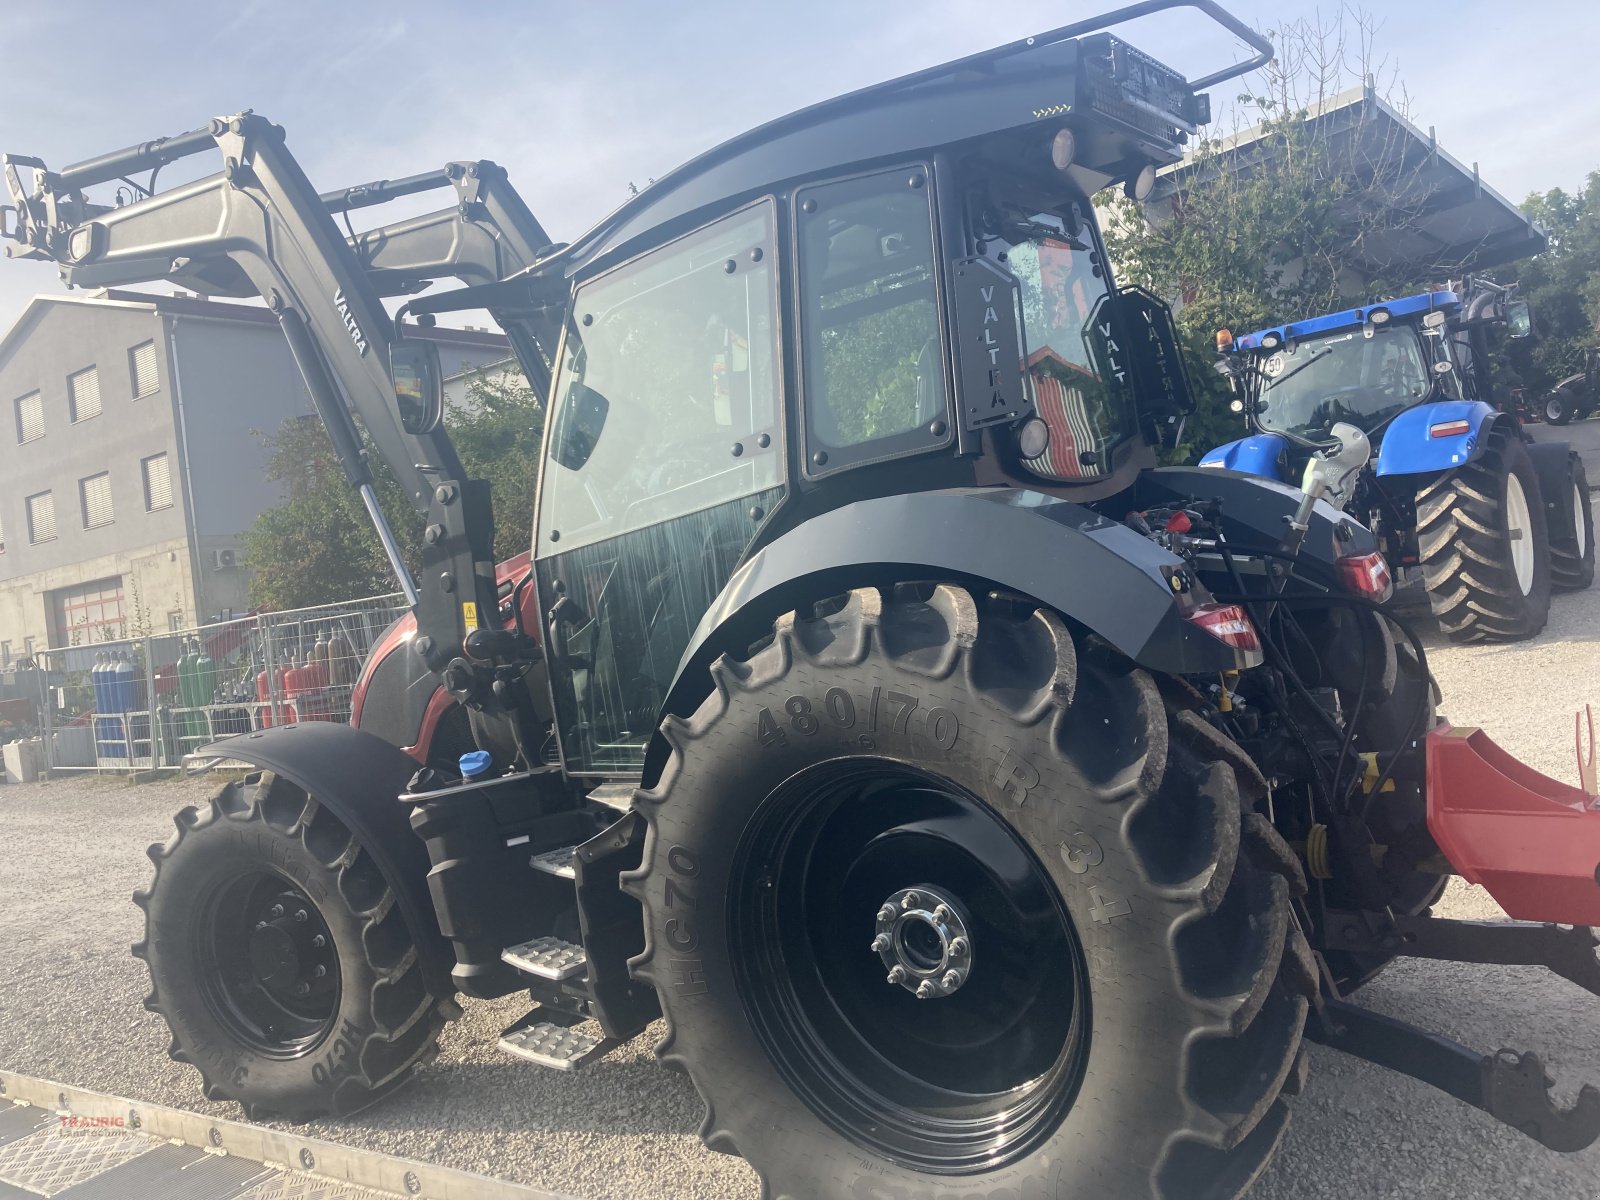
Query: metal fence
[[143, 703]]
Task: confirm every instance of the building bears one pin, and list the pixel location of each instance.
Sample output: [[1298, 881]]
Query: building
[[131, 459], [1453, 222]]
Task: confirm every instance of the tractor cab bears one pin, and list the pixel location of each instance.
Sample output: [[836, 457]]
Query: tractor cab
[[898, 291]]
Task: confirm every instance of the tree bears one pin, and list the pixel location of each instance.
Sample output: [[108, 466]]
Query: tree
[[318, 546], [1278, 228], [1562, 286]]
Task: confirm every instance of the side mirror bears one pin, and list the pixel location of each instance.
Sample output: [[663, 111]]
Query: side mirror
[[1519, 321], [418, 384], [581, 419]]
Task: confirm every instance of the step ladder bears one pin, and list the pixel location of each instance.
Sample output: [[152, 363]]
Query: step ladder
[[547, 1036]]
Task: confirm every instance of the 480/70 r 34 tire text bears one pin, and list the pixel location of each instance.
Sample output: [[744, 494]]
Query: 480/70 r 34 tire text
[[1124, 1009]]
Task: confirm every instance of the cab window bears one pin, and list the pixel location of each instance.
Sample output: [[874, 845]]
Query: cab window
[[670, 361], [873, 370]]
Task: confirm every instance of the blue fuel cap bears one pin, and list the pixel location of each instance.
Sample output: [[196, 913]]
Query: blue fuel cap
[[475, 763]]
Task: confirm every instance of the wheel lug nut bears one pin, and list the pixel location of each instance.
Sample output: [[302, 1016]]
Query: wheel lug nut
[[911, 900], [942, 913], [318, 972], [319, 941], [897, 974], [958, 947], [925, 990], [881, 942], [261, 924], [277, 910], [952, 979], [887, 913], [301, 989], [300, 914]]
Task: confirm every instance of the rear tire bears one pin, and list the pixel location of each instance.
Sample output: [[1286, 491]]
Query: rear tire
[[873, 732], [1572, 558], [1484, 546], [229, 953]]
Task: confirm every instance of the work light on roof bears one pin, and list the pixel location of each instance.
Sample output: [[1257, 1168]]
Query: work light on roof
[[1139, 186], [1270, 341], [1379, 316], [1063, 149]]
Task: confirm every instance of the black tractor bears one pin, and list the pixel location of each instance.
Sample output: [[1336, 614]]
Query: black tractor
[[987, 811]]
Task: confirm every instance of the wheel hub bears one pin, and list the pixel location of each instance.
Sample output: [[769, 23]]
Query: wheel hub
[[923, 937]]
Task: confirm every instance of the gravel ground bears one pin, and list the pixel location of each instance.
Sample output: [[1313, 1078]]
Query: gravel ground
[[70, 1008]]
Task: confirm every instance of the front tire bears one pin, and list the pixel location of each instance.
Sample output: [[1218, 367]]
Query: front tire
[[279, 958], [1136, 989], [1484, 545], [1572, 558]]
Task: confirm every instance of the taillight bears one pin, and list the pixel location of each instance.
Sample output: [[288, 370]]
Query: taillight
[[1367, 575], [1228, 623], [1449, 428]]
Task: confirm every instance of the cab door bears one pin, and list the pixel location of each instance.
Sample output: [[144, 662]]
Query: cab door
[[664, 456]]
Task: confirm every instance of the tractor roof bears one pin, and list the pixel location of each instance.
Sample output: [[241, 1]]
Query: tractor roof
[[1125, 108], [1446, 302]]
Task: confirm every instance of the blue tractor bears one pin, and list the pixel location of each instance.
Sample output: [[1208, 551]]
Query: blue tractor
[[1398, 397]]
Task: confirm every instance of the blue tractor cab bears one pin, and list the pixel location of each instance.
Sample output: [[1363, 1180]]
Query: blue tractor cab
[[1453, 487]]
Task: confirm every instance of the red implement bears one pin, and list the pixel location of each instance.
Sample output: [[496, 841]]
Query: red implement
[[1531, 841]]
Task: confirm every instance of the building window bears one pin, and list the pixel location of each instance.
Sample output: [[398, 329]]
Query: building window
[[83, 394], [175, 620], [142, 369], [5, 655], [30, 418], [41, 517], [27, 648], [95, 493], [157, 483]]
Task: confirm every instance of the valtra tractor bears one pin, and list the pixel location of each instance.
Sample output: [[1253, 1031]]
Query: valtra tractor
[[987, 811], [1401, 393]]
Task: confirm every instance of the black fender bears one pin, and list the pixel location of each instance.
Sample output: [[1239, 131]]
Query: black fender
[[1098, 572], [1552, 462], [358, 777]]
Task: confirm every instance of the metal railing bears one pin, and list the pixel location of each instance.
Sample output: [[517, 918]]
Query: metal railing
[[144, 703]]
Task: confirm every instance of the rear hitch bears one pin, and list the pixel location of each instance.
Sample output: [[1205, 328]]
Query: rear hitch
[[1512, 1087]]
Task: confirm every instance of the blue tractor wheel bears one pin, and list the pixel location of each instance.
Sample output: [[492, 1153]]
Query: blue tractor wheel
[[1484, 545]]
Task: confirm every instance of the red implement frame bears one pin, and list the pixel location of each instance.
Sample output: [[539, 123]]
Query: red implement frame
[[1532, 841]]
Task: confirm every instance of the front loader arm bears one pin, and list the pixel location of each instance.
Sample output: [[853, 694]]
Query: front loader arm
[[259, 227]]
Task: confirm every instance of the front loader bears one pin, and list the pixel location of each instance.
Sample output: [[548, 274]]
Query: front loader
[[987, 810]]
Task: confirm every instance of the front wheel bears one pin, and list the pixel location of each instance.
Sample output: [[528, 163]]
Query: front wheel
[[1559, 408], [1484, 545], [279, 958], [936, 906]]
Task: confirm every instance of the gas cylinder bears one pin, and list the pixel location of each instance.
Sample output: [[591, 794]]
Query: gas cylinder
[[341, 661], [264, 693]]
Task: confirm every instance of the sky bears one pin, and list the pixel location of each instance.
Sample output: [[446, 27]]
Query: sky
[[579, 101]]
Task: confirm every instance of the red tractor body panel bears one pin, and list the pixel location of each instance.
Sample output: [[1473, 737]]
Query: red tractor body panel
[[397, 638], [1531, 841]]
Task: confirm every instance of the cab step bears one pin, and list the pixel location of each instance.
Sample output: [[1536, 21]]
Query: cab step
[[548, 958], [556, 862], [554, 1046]]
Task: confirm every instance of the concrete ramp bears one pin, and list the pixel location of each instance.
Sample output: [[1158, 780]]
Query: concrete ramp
[[65, 1142]]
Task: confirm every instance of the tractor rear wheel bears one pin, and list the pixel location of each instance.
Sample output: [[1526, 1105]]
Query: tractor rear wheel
[[1484, 547], [1572, 558], [279, 958], [942, 900]]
